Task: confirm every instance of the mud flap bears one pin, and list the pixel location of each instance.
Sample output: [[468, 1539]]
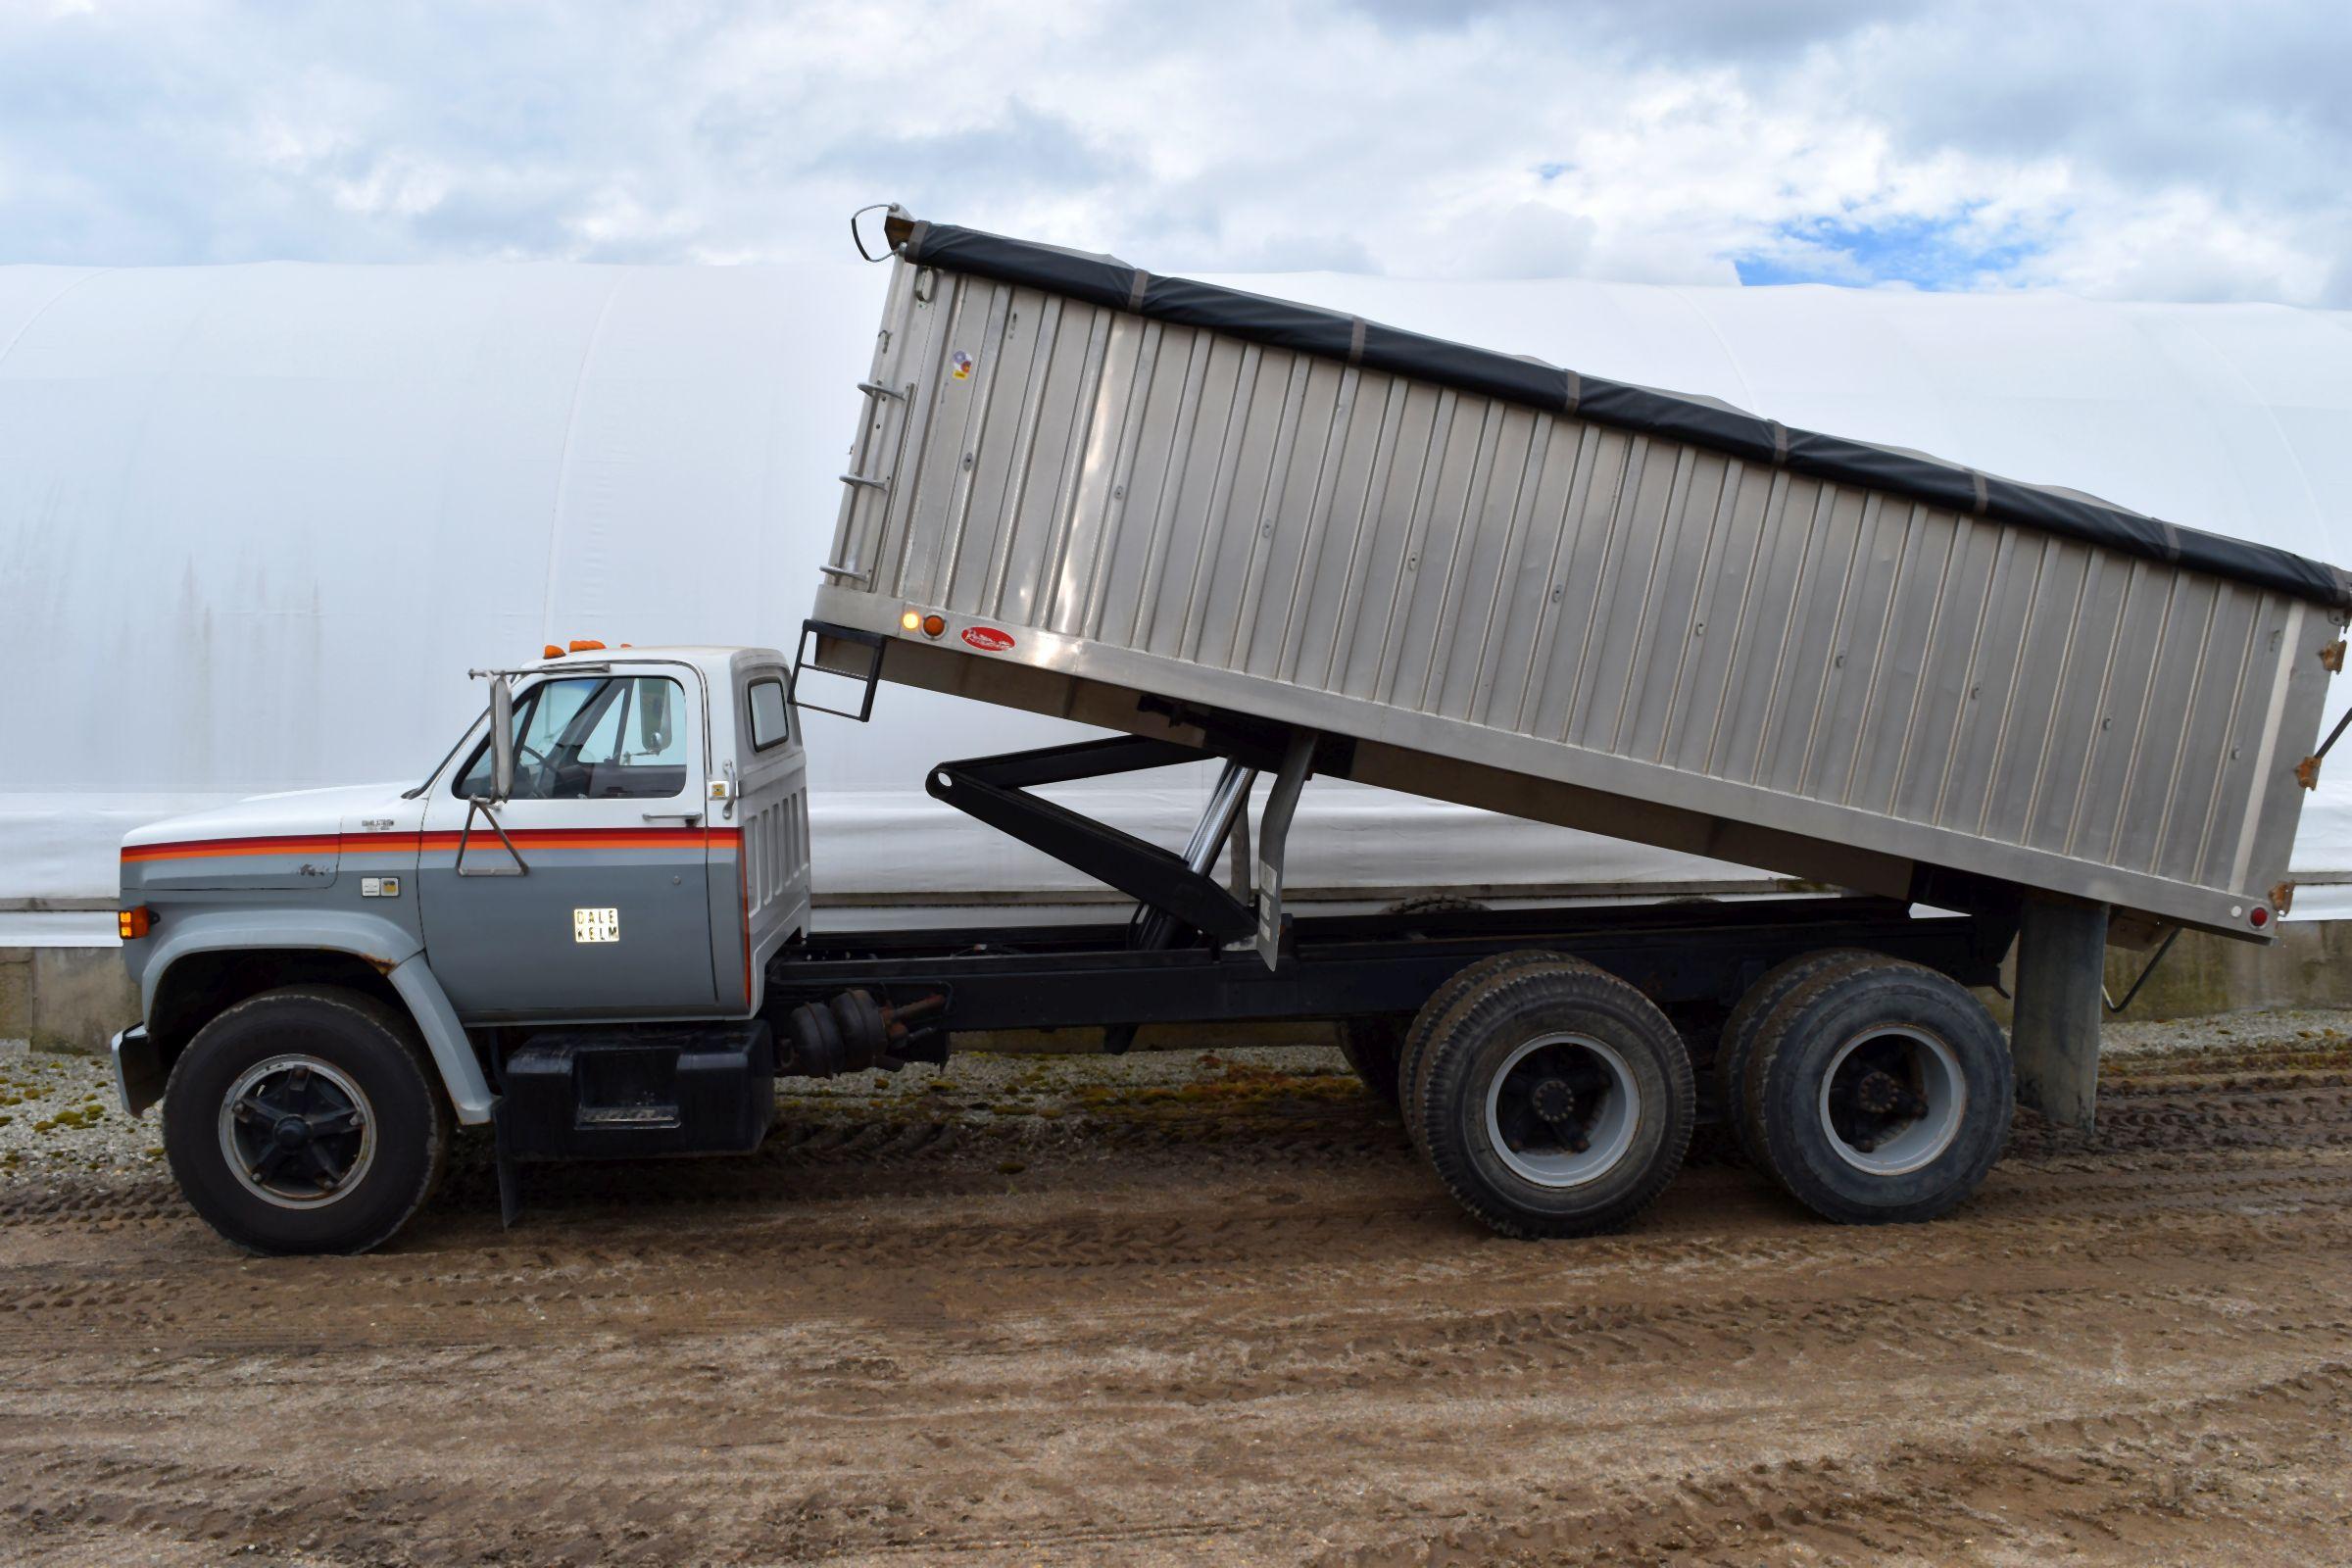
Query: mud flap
[[2055, 1035], [510, 1175]]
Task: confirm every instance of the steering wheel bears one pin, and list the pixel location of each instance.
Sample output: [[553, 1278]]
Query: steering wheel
[[541, 764]]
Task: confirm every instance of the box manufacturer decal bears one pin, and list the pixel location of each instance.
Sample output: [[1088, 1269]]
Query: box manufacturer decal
[[988, 639]]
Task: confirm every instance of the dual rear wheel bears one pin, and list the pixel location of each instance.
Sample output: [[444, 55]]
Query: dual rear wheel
[[1552, 1099]]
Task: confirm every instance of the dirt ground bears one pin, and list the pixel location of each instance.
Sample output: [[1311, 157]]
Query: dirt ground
[[1206, 1308]]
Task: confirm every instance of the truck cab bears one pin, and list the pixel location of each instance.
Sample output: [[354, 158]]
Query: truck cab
[[414, 953]]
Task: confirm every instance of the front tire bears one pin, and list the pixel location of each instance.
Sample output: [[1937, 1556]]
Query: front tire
[[1554, 1099], [305, 1120]]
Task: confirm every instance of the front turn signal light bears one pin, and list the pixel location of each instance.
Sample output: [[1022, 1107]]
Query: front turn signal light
[[133, 923]]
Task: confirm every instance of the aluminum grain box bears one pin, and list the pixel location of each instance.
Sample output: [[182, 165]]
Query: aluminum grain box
[[1573, 600]]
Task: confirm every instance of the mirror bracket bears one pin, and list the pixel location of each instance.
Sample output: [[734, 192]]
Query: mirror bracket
[[519, 867]]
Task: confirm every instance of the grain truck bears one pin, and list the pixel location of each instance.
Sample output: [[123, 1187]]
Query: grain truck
[[1977, 714]]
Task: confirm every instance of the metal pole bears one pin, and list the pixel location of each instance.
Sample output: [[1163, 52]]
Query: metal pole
[[1225, 803]]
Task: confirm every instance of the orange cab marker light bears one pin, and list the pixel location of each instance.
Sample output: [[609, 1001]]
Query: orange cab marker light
[[550, 650], [586, 645], [933, 625], [133, 923]]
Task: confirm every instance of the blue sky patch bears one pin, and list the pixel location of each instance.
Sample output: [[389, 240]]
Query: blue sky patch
[[1929, 253]]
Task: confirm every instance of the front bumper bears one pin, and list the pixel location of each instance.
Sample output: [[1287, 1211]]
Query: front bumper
[[139, 1074]]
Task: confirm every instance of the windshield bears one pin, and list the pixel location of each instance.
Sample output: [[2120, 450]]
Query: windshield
[[591, 737]]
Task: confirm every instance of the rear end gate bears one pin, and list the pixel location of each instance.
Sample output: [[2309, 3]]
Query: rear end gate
[[1877, 1092]]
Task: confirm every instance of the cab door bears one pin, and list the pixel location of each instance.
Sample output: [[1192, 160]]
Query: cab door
[[593, 902]]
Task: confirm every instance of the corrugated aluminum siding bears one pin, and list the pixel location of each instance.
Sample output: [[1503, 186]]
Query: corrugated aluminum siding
[[1253, 511]]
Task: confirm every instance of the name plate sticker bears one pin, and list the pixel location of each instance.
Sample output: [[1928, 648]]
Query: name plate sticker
[[596, 925]]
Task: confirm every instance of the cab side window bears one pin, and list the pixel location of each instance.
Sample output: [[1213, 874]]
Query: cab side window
[[771, 713], [591, 738]]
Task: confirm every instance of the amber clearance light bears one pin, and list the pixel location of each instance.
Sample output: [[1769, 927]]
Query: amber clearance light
[[133, 922]]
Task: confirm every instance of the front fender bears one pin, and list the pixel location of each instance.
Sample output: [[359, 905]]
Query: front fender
[[381, 942]]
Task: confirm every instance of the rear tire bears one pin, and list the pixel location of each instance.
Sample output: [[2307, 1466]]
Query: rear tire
[[1737, 1043], [1554, 1099], [1443, 1002], [1879, 1093], [305, 1120]]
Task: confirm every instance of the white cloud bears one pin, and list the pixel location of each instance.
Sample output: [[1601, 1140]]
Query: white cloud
[[2182, 151]]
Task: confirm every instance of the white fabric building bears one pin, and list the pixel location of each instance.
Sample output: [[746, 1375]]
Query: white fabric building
[[257, 522]]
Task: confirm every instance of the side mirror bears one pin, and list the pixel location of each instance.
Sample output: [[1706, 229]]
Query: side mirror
[[501, 739]]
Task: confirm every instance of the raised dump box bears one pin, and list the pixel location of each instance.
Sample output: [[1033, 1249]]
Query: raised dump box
[[1627, 610]]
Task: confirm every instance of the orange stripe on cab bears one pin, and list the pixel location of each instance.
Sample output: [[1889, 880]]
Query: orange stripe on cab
[[554, 838]]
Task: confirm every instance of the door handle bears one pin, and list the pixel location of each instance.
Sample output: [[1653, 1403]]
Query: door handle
[[687, 818]]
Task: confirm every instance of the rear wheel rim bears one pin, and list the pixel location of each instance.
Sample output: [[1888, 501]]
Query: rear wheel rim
[[297, 1132], [1893, 1101], [1562, 1110]]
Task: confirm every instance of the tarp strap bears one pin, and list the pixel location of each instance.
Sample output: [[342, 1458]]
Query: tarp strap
[[1576, 389], [1355, 339], [1984, 495], [1134, 289], [1780, 442]]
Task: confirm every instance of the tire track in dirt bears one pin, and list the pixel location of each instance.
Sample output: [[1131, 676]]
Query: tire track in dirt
[[2132, 1481], [1230, 1331]]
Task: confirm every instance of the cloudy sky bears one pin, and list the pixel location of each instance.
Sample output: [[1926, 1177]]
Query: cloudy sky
[[2142, 150]]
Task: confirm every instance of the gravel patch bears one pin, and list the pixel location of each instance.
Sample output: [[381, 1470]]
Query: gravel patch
[[58, 1114], [2283, 1027]]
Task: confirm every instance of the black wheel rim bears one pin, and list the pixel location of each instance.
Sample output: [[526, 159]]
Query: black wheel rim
[[297, 1132]]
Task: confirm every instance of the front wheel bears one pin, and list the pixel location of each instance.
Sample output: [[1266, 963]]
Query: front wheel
[[304, 1121], [1554, 1099]]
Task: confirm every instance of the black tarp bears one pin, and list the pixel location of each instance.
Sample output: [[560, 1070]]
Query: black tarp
[[1280, 323]]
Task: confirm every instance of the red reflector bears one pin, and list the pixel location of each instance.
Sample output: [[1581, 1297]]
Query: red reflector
[[2261, 917]]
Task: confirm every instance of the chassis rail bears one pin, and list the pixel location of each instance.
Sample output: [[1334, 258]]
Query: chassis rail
[[1686, 956]]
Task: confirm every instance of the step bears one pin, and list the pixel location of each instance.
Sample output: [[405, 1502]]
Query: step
[[630, 1090]]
